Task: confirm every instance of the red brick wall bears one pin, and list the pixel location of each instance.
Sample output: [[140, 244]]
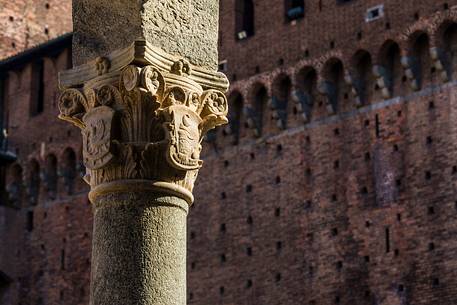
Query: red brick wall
[[300, 215], [62, 224], [27, 23]]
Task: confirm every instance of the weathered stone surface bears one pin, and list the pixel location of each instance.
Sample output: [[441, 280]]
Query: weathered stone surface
[[139, 249], [142, 126], [188, 28], [144, 94]]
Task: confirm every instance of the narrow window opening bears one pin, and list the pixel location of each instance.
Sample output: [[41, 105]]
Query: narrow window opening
[[278, 245], [37, 102], [429, 140], [377, 126], [374, 13], [308, 172], [244, 19], [295, 9], [308, 139], [339, 265], [278, 277], [248, 283], [387, 237], [278, 212], [62, 260], [428, 175], [308, 204], [30, 221], [236, 118]]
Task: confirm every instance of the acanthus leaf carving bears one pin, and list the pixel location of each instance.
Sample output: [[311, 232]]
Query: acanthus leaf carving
[[72, 105], [214, 109]]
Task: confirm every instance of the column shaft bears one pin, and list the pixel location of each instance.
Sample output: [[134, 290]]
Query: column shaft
[[139, 250]]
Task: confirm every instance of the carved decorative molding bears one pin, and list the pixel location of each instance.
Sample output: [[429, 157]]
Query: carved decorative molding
[[143, 117]]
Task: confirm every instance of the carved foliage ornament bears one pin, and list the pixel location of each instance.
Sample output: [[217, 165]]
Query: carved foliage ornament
[[149, 126]]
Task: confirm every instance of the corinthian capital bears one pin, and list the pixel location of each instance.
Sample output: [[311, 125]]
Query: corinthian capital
[[143, 115]]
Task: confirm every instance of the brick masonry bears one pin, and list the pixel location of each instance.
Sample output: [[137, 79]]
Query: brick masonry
[[355, 206], [26, 23]]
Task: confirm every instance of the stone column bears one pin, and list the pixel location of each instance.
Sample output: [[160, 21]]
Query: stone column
[[143, 107]]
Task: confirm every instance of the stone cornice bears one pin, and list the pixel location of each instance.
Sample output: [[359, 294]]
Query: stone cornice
[[140, 53]]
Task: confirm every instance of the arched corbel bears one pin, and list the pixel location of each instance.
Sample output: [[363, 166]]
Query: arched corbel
[[383, 80], [356, 87], [328, 90], [440, 63], [411, 68]]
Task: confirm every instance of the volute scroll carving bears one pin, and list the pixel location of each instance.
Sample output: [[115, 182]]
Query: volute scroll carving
[[147, 125]]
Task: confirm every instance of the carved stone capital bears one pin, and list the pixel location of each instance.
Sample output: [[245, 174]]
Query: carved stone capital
[[143, 118]]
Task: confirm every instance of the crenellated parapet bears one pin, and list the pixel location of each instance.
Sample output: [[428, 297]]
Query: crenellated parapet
[[143, 115]]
